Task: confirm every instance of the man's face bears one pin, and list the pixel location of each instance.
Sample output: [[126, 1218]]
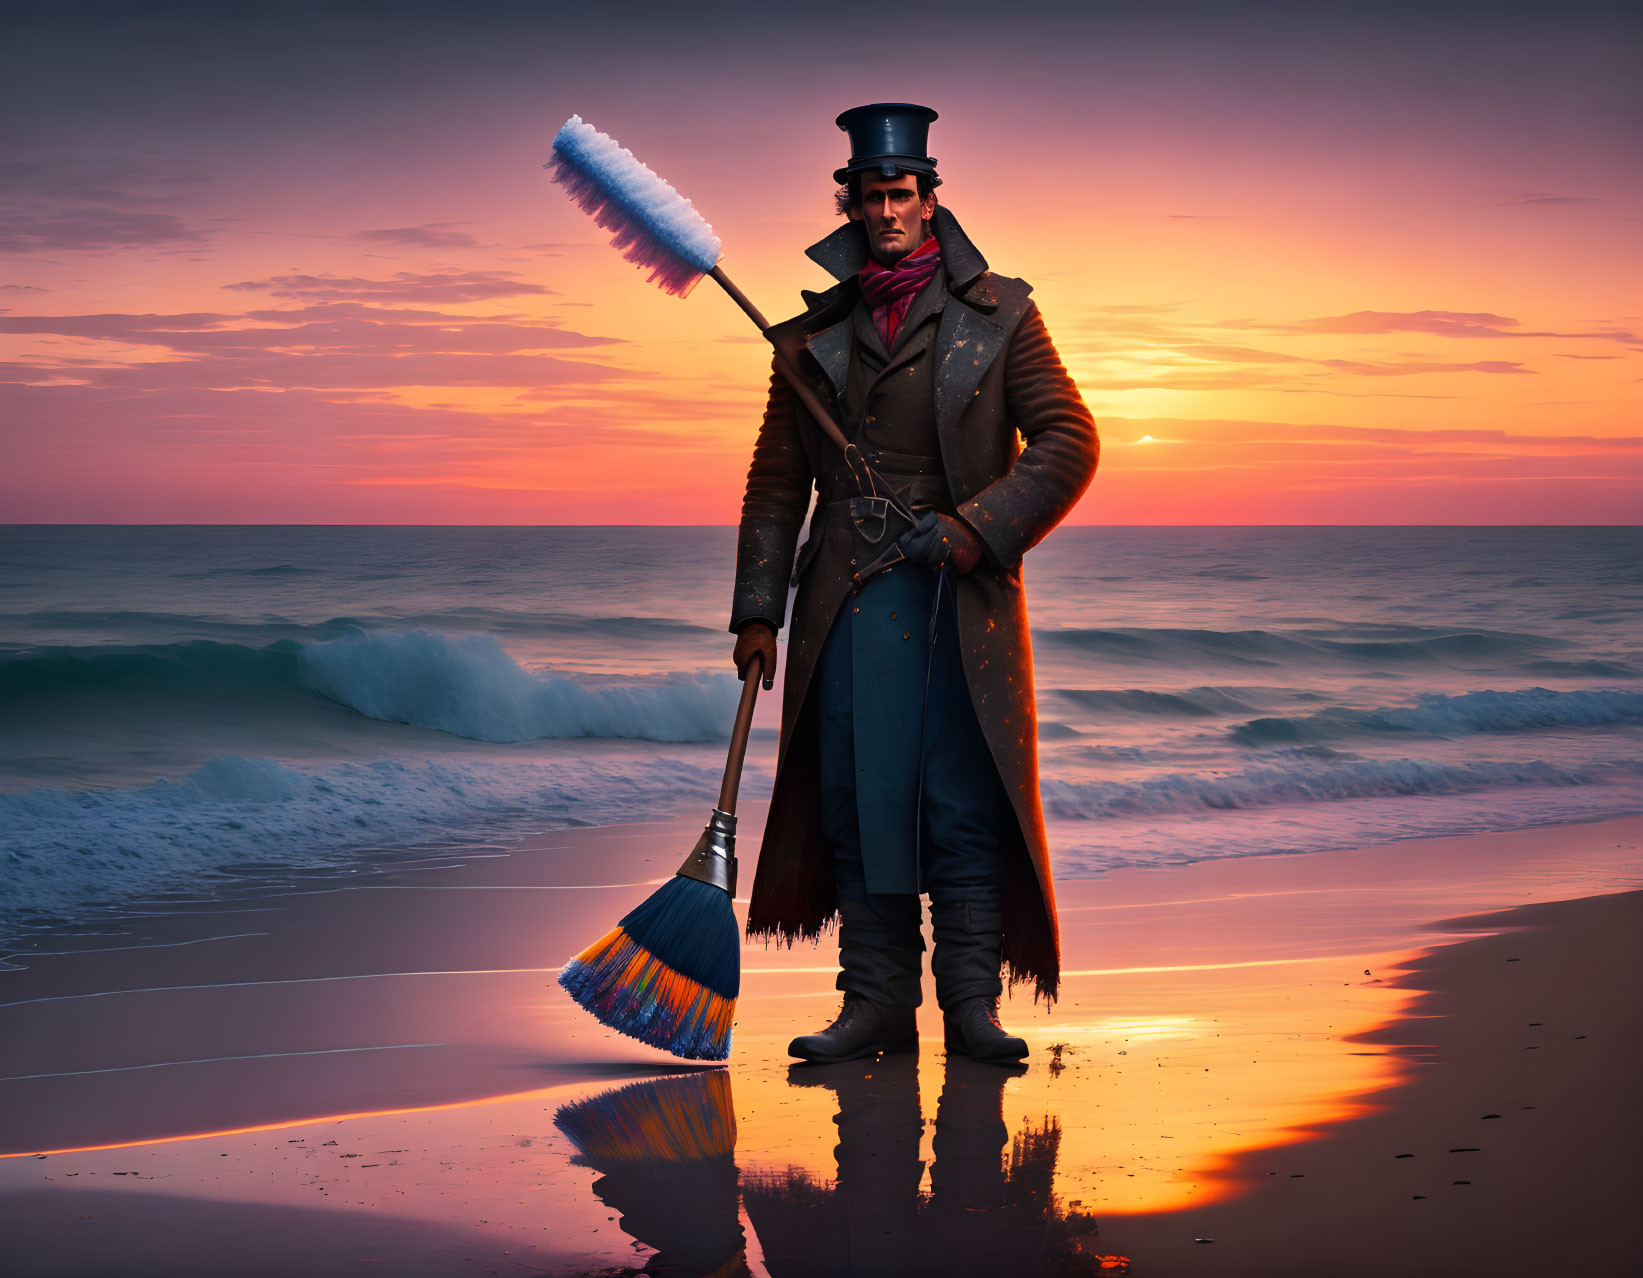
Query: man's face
[[894, 215]]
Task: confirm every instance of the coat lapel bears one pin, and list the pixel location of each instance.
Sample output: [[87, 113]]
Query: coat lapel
[[867, 336], [831, 348]]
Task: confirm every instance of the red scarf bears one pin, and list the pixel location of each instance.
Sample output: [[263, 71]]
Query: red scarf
[[890, 290]]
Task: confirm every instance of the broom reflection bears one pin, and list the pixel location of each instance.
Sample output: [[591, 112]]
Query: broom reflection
[[666, 1153]]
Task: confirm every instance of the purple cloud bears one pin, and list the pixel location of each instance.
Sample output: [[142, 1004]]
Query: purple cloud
[[206, 333], [431, 235], [1546, 197], [74, 230], [94, 204], [1405, 368], [404, 286], [1437, 323]]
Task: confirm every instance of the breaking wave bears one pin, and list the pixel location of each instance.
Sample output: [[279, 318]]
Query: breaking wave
[[466, 685], [1378, 645], [1472, 712], [1194, 703], [1277, 785]]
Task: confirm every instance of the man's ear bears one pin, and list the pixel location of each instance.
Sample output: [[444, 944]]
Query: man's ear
[[927, 206]]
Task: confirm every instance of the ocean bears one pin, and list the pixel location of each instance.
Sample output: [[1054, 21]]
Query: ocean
[[186, 708]]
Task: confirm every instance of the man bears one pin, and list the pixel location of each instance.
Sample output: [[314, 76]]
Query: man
[[908, 757]]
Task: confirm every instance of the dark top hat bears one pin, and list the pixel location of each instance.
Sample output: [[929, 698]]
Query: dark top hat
[[887, 138]]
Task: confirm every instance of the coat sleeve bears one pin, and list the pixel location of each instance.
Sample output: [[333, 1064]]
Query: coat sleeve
[[779, 480], [1018, 510]]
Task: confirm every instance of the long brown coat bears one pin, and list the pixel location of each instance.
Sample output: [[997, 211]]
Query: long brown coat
[[1010, 495]]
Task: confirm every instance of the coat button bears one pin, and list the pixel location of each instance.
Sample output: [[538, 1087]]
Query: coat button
[[906, 634]]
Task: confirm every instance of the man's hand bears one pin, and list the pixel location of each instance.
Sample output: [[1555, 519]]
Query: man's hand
[[756, 640], [940, 539]]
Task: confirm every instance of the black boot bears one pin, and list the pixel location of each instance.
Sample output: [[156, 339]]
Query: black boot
[[969, 947], [862, 1028], [972, 1030], [880, 950]]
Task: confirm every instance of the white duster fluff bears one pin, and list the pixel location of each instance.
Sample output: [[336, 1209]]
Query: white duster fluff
[[651, 223]]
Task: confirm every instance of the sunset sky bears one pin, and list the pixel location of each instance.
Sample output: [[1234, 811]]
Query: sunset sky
[[288, 263]]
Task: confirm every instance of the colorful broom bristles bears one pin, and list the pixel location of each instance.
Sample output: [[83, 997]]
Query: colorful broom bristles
[[651, 223], [669, 974]]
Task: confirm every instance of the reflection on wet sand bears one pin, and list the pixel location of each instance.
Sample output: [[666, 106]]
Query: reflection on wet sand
[[990, 1206], [666, 1154], [665, 1151]]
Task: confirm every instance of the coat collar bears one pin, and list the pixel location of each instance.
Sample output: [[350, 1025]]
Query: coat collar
[[844, 252], [831, 345], [831, 329]]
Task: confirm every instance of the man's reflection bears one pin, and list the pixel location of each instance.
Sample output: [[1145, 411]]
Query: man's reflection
[[989, 1209], [666, 1151]]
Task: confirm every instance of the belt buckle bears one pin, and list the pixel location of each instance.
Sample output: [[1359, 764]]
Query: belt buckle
[[863, 509]]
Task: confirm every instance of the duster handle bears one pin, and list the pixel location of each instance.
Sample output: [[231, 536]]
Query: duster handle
[[859, 469], [738, 736]]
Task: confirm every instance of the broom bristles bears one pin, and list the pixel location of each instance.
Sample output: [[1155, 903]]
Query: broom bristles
[[668, 974], [651, 223]]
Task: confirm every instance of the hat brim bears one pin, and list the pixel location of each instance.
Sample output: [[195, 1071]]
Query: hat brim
[[894, 163]]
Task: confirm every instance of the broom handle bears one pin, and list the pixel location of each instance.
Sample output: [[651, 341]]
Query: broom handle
[[817, 409], [738, 737]]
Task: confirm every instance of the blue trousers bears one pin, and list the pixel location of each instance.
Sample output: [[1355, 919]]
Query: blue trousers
[[963, 814]]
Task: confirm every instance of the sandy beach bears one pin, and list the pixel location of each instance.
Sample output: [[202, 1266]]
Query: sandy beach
[[1293, 1059]]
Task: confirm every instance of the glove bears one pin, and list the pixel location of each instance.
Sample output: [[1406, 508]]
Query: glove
[[940, 539], [757, 639]]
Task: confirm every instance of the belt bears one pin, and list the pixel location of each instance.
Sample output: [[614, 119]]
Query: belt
[[892, 465], [871, 518], [928, 490]]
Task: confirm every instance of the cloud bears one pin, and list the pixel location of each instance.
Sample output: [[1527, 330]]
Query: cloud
[[121, 180], [1408, 367], [1240, 354], [92, 230], [324, 370], [94, 205], [20, 288], [1546, 197], [431, 235], [404, 286], [1437, 323], [208, 333], [1441, 323]]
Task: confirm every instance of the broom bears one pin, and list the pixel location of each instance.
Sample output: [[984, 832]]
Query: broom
[[670, 972]]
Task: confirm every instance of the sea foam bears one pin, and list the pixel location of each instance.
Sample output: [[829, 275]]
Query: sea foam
[[62, 851]]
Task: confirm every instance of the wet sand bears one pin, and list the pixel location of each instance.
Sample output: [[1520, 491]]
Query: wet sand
[[362, 1074]]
